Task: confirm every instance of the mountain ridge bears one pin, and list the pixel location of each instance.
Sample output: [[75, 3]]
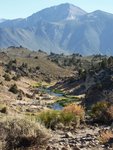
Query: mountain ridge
[[73, 31]]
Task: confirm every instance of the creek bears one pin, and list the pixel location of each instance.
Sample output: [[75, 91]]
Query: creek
[[56, 105]]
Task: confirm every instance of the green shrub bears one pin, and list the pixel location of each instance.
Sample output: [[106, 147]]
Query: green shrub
[[3, 110], [16, 77], [7, 77], [101, 112], [49, 118], [66, 118], [71, 114], [14, 89]]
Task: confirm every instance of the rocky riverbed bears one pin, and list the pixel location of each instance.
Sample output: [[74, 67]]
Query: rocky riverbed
[[84, 138]]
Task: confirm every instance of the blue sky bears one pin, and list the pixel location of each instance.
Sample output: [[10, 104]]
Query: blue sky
[[11, 9]]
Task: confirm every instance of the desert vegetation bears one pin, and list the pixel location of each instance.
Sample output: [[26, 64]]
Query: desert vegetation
[[70, 115], [105, 136], [56, 101], [102, 112], [21, 133]]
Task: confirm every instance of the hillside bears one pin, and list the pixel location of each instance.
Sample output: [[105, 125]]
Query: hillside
[[37, 62], [93, 80], [55, 101]]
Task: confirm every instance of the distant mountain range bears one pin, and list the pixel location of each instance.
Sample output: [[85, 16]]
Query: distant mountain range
[[63, 28]]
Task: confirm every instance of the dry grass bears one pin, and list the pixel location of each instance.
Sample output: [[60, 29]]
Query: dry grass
[[110, 112], [76, 110], [71, 115], [105, 136], [46, 66], [20, 133], [102, 112]]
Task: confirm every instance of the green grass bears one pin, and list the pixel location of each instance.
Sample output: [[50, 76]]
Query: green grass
[[57, 91], [37, 85], [49, 118], [67, 100], [67, 118]]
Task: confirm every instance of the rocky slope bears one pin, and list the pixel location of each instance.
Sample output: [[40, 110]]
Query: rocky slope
[[94, 81]]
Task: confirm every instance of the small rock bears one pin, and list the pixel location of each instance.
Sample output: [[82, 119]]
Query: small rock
[[68, 135], [89, 135]]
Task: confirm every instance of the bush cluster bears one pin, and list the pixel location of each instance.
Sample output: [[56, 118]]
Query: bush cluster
[[22, 134], [3, 108], [7, 77], [14, 89], [71, 114], [105, 136], [102, 112]]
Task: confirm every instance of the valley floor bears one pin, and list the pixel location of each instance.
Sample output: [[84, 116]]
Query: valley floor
[[47, 106]]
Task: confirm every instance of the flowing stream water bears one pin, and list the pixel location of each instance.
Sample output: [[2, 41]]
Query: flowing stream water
[[55, 106]]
